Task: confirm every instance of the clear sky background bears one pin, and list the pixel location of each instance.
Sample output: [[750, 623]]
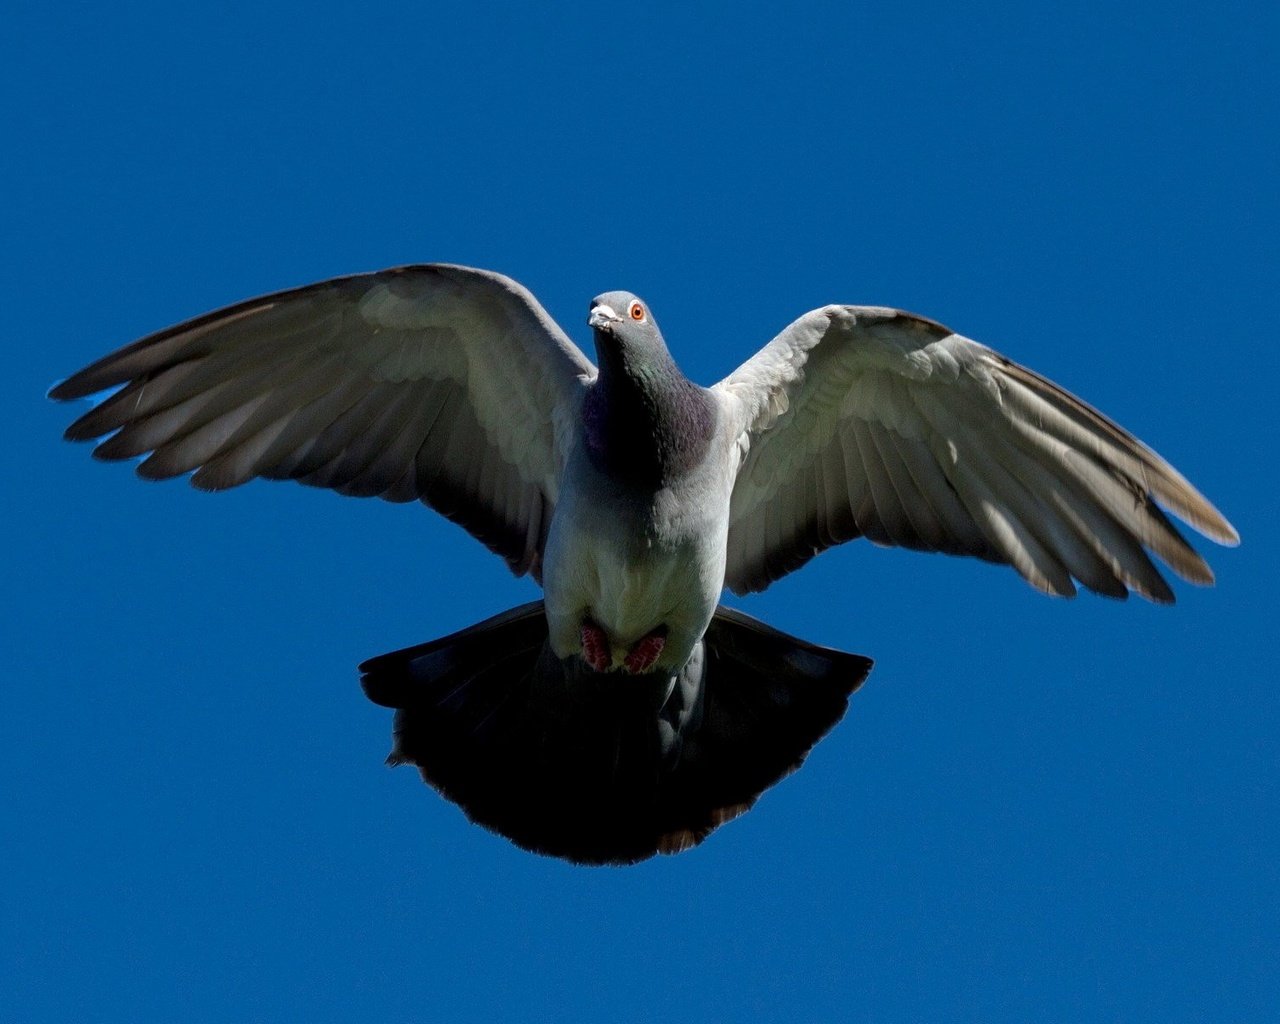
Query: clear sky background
[[1035, 809]]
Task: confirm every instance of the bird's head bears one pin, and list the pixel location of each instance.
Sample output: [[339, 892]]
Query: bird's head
[[625, 329]]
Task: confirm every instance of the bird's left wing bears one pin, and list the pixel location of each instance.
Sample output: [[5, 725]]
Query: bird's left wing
[[865, 421], [435, 382]]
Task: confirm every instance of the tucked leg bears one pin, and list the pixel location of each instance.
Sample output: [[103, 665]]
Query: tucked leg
[[595, 647], [645, 651]]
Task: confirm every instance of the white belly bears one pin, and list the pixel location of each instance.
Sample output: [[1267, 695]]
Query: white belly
[[604, 561]]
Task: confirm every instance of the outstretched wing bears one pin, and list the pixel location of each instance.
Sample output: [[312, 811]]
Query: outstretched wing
[[439, 383], [863, 421]]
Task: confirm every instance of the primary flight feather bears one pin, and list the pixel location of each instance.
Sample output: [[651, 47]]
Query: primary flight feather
[[628, 713]]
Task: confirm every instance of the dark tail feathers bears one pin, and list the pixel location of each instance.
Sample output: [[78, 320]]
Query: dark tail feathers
[[608, 768]]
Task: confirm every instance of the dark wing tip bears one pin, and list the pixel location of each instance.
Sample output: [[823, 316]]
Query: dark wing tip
[[70, 388]]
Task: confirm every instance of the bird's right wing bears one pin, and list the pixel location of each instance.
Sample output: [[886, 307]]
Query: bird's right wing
[[435, 382]]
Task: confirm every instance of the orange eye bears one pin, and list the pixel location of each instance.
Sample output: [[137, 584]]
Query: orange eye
[[636, 311]]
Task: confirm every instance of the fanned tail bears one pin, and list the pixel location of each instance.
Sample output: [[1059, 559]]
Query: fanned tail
[[608, 768]]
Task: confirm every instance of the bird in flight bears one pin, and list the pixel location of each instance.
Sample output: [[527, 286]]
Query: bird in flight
[[629, 713]]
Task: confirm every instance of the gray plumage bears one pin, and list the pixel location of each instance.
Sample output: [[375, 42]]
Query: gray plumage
[[600, 768], [635, 496]]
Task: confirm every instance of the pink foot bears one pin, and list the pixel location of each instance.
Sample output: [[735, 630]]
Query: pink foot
[[645, 652], [595, 647]]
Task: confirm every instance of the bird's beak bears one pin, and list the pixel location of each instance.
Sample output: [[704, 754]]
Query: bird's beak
[[602, 317]]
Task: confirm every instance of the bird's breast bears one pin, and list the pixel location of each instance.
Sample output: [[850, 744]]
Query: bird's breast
[[632, 563]]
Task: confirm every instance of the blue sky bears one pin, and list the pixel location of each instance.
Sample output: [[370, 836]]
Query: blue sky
[[1034, 810]]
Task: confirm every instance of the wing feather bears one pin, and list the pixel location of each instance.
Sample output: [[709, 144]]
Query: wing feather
[[867, 421], [924, 530], [439, 383]]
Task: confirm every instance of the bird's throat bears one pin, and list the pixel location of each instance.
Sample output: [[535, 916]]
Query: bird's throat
[[645, 426]]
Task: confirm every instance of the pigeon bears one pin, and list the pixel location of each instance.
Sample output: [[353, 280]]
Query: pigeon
[[629, 712]]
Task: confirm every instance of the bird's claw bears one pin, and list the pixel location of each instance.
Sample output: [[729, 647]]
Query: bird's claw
[[595, 648], [644, 653]]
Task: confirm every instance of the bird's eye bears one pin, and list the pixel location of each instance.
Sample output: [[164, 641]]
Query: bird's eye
[[636, 311]]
